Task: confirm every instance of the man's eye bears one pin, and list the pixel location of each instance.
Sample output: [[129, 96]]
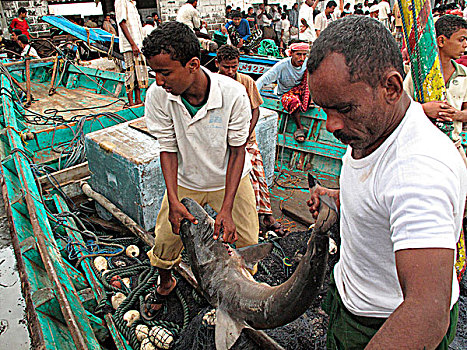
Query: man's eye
[[345, 109]]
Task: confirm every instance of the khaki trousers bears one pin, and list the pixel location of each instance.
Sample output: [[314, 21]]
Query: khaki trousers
[[167, 247]]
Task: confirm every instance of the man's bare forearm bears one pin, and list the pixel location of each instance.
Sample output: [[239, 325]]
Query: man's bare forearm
[[414, 325], [422, 319], [169, 165], [254, 119], [233, 176]]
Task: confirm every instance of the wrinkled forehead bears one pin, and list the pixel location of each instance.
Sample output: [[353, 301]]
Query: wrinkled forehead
[[330, 82], [299, 52]]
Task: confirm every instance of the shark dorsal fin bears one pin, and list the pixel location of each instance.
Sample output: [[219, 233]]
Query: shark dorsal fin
[[254, 253], [227, 330]]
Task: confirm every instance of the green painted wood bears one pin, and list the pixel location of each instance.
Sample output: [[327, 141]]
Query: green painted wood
[[63, 286], [45, 302], [275, 104], [93, 72], [21, 66], [79, 281], [99, 326], [62, 134], [29, 251], [321, 153], [46, 332], [314, 147]]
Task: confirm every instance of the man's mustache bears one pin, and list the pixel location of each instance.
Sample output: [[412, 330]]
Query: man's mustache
[[343, 137]]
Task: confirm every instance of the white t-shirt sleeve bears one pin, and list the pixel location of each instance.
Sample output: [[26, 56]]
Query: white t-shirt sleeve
[[408, 85], [196, 19], [422, 208], [160, 125], [120, 11], [239, 123], [320, 22]]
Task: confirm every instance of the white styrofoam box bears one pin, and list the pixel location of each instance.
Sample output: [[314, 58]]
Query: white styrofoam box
[[266, 136], [125, 168]]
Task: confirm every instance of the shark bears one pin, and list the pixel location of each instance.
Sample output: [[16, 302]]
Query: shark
[[240, 301]]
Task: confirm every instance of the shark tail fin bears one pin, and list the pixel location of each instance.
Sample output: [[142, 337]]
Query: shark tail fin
[[254, 253], [227, 330]]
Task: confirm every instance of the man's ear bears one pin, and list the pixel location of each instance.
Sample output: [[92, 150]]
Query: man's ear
[[393, 85], [217, 63], [194, 64], [441, 40]]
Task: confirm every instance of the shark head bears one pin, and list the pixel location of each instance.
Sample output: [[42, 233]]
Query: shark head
[[199, 234], [197, 239]]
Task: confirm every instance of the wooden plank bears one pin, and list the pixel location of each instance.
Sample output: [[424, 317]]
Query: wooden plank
[[46, 303], [275, 104], [44, 330], [309, 146], [65, 176], [72, 310], [61, 134], [97, 73], [21, 64]]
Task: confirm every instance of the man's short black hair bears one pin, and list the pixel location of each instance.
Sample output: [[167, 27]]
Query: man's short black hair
[[235, 14], [23, 38], [154, 13], [228, 7], [368, 47], [447, 25], [227, 53], [149, 20], [22, 10], [191, 1], [174, 38], [331, 4]]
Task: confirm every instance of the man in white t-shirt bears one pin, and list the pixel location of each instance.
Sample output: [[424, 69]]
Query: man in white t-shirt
[[305, 21], [285, 31], [27, 49], [130, 36], [325, 17], [189, 15], [402, 194], [384, 11], [201, 120]]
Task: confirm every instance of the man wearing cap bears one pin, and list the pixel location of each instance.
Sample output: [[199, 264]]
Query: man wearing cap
[[290, 75]]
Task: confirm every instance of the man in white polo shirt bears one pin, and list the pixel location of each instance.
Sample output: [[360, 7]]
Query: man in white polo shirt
[[201, 120]]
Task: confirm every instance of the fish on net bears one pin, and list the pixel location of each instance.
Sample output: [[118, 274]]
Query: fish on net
[[200, 336]]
